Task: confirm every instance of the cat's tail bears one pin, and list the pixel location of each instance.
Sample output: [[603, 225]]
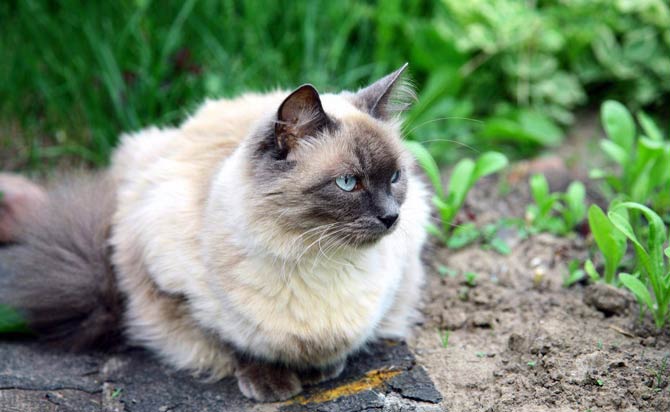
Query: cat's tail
[[57, 273]]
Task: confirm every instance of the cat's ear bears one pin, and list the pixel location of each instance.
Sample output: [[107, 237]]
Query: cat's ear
[[385, 97], [300, 114]]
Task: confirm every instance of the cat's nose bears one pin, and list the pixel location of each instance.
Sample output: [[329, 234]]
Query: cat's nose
[[388, 219]]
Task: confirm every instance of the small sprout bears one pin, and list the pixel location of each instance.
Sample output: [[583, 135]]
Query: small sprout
[[116, 393], [471, 278], [445, 271], [531, 363], [444, 337], [448, 203], [464, 293], [600, 344], [481, 354], [600, 382]]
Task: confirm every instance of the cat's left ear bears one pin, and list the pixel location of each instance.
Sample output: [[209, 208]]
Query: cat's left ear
[[387, 96], [300, 114]]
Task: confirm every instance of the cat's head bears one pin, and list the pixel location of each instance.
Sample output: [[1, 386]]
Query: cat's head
[[331, 170]]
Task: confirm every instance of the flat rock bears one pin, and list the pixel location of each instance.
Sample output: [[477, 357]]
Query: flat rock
[[35, 378]]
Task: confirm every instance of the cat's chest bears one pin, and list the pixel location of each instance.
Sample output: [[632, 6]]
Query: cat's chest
[[337, 306]]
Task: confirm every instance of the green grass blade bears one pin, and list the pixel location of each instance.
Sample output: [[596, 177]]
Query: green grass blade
[[638, 288], [426, 161]]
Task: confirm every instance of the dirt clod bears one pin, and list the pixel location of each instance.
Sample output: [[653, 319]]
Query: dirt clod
[[607, 299]]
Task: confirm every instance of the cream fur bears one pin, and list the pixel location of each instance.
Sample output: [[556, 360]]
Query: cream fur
[[202, 274]]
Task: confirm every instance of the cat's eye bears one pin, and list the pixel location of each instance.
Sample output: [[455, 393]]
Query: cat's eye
[[346, 182], [395, 176]]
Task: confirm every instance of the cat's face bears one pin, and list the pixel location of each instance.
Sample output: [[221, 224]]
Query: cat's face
[[333, 172]]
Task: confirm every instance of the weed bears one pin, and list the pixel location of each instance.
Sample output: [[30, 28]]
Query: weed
[[463, 176], [557, 213], [531, 363], [653, 268], [470, 278], [444, 337]]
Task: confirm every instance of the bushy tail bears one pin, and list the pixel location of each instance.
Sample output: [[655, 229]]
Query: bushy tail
[[58, 274]]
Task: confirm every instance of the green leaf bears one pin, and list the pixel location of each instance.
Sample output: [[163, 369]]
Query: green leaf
[[574, 277], [460, 182], [667, 252], [433, 230], [488, 163], [615, 152], [500, 246], [618, 124], [649, 127], [428, 164], [590, 270], [463, 235], [610, 241], [638, 288], [574, 199], [11, 321], [539, 188]]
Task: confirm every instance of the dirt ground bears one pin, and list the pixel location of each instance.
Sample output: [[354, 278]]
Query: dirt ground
[[518, 340]]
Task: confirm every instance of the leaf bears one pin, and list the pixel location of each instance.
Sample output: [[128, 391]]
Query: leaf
[[11, 321], [500, 246], [610, 241], [574, 277], [463, 235], [540, 126], [428, 164], [638, 288], [650, 129], [574, 199], [460, 182], [667, 252], [590, 270], [488, 163], [618, 124], [539, 188], [614, 151]]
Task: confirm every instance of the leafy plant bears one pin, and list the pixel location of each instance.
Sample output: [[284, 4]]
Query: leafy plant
[[653, 267], [611, 243], [642, 172], [558, 213], [575, 273], [463, 176]]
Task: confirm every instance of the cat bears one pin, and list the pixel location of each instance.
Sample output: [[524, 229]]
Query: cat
[[268, 237]]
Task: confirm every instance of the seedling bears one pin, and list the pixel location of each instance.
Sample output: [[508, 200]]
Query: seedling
[[444, 337], [531, 363], [470, 278], [575, 273], [557, 213], [654, 270], [446, 271], [643, 162], [610, 241], [463, 177]]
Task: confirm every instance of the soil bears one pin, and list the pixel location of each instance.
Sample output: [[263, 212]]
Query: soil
[[520, 341]]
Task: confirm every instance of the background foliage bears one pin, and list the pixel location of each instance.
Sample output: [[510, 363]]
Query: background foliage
[[507, 74]]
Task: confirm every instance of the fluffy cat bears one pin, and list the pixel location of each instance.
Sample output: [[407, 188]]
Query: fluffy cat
[[269, 237]]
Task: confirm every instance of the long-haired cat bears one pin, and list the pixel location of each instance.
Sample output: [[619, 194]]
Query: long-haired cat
[[269, 237]]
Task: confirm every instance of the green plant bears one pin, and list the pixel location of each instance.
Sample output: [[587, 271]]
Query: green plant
[[575, 273], [463, 176], [642, 172], [558, 213], [444, 337], [470, 279], [11, 321], [653, 268], [611, 243]]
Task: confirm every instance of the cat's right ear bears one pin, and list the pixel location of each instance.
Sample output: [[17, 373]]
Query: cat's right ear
[[300, 115]]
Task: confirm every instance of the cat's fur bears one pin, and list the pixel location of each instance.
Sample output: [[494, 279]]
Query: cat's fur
[[233, 248]]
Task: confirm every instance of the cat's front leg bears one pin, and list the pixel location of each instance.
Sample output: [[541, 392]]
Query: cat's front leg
[[266, 382]]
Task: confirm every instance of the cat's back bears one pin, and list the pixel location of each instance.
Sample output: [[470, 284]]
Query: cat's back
[[163, 178]]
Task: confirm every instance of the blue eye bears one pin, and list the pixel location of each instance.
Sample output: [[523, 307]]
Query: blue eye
[[395, 176], [346, 182]]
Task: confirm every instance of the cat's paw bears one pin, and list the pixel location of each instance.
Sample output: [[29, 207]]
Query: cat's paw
[[19, 198], [314, 376], [265, 382]]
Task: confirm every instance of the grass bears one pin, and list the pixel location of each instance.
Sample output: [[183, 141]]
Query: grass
[[84, 72]]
